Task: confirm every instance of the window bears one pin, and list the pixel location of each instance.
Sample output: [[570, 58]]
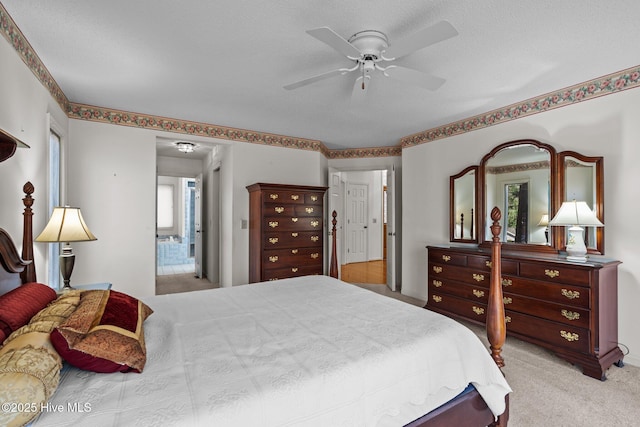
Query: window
[[54, 200]]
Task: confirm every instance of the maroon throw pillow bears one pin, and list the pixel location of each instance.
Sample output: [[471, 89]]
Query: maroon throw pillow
[[18, 306], [104, 334]]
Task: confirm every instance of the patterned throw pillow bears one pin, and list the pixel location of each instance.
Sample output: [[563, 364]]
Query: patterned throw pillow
[[105, 333]]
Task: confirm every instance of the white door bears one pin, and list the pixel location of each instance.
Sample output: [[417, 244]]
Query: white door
[[335, 201], [391, 228], [357, 209], [197, 215]]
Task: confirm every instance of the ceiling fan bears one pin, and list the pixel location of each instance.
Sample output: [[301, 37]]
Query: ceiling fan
[[371, 51]]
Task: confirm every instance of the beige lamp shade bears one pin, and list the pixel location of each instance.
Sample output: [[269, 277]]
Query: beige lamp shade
[[576, 213], [66, 225], [544, 220]]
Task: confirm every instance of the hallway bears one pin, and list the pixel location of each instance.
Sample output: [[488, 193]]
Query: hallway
[[374, 272]]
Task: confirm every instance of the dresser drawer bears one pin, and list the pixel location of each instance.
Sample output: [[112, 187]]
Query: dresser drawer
[[295, 223], [451, 287], [292, 239], [282, 210], [560, 293], [447, 258], [461, 274], [484, 263], [557, 334], [292, 257], [472, 310], [286, 272], [554, 273], [283, 196], [576, 317]]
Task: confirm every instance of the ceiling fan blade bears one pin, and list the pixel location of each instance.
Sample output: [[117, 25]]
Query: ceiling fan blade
[[416, 78], [426, 37], [314, 79], [359, 91], [333, 39]]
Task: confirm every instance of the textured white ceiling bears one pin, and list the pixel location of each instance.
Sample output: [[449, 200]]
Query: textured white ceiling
[[225, 62]]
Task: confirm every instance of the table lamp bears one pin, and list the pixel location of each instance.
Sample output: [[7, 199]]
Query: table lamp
[[575, 215], [66, 225], [544, 222]]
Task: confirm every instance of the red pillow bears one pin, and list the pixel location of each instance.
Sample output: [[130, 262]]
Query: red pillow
[[104, 333], [18, 306]]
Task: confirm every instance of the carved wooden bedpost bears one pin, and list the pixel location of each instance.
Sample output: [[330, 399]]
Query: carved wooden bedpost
[[496, 326], [29, 273], [333, 267]]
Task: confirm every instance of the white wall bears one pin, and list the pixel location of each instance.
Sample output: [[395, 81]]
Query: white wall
[[607, 126]]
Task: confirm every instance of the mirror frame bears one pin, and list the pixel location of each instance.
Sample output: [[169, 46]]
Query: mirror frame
[[452, 207], [553, 199], [560, 237]]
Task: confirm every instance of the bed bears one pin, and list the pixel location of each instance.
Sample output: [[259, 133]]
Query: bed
[[309, 351]]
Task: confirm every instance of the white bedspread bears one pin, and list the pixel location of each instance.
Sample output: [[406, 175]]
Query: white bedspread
[[310, 351]]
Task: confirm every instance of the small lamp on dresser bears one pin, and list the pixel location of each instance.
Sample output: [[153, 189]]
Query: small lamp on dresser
[[544, 222], [66, 225], [576, 215]]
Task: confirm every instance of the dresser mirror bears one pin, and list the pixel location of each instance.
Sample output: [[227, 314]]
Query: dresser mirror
[[528, 180], [463, 189], [581, 178]]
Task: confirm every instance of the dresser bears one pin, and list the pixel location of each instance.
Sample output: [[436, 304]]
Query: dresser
[[285, 231], [569, 308]]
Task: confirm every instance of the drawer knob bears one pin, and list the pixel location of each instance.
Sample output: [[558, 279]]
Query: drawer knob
[[437, 298], [294, 234], [478, 310], [507, 319], [273, 240], [273, 196], [478, 277], [279, 209], [569, 336], [315, 255], [571, 315], [506, 282], [446, 258], [570, 294], [507, 300], [294, 197], [315, 238], [478, 293], [294, 269], [315, 223], [437, 283], [273, 278], [273, 224], [437, 269], [273, 258], [294, 251], [294, 219], [488, 263], [308, 210], [314, 198], [552, 273]]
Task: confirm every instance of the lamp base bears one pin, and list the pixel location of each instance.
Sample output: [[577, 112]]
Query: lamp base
[[577, 258]]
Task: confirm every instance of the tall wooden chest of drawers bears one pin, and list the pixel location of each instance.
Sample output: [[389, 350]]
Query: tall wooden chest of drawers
[[285, 231], [569, 308]]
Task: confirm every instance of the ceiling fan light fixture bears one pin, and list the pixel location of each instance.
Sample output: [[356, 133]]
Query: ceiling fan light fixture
[[185, 147]]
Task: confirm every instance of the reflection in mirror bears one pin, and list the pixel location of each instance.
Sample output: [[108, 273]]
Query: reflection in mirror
[[581, 178], [463, 222], [517, 178]]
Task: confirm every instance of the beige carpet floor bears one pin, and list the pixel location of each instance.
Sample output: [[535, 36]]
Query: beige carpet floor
[[547, 391]]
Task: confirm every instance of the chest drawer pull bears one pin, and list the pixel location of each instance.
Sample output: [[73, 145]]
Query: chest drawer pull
[[279, 209], [507, 319], [294, 234], [314, 198], [507, 282], [569, 336], [478, 310], [437, 298], [571, 315], [437, 283], [273, 278], [488, 264], [308, 210], [314, 238], [570, 294], [294, 197], [478, 277], [437, 269], [294, 219], [552, 273], [315, 255], [273, 196], [273, 224], [507, 300], [478, 293], [294, 251], [315, 223], [446, 258], [273, 240], [273, 258], [294, 269]]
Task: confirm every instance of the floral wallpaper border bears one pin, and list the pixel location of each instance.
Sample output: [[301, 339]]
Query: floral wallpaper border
[[611, 83]]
